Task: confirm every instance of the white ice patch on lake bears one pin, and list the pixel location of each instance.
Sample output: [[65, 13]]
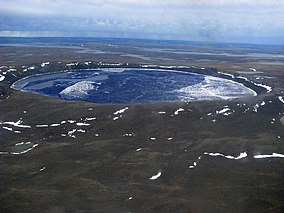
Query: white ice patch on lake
[[214, 88], [78, 90]]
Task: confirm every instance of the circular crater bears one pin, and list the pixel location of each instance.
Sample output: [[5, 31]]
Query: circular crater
[[132, 85]]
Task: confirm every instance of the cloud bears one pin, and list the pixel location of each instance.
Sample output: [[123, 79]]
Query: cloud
[[181, 19]]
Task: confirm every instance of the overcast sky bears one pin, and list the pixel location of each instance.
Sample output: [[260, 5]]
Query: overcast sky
[[257, 21]]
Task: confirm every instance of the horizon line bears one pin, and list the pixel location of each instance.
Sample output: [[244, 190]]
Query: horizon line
[[144, 39]]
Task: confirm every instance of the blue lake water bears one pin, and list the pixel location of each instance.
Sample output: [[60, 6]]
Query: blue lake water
[[120, 85]]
